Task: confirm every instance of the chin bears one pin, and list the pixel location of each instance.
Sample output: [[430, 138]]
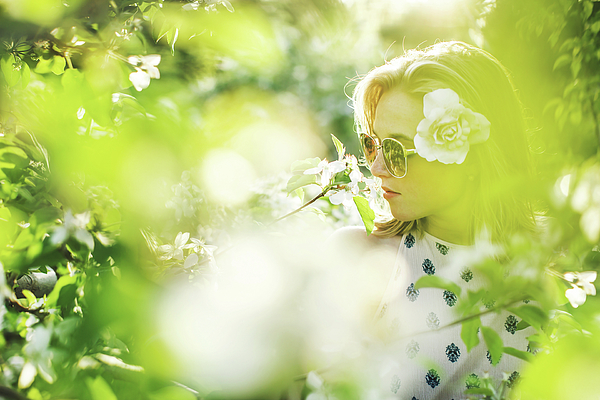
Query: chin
[[403, 216]]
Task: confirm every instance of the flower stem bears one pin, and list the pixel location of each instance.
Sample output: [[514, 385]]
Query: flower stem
[[317, 197]]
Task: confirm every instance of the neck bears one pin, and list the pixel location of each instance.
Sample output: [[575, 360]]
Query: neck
[[453, 225], [454, 231]]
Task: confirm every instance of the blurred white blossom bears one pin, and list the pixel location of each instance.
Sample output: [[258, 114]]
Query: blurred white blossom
[[145, 69], [327, 170], [586, 200], [73, 226], [186, 197], [175, 250], [581, 286], [316, 384]]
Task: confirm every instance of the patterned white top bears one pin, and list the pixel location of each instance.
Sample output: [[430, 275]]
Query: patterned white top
[[429, 360]]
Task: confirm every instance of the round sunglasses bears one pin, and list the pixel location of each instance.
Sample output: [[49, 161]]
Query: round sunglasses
[[394, 154]]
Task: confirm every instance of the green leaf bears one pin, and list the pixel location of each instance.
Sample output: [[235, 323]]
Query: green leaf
[[366, 213], [31, 299], [164, 29], [483, 391], [339, 147], [302, 165], [172, 393], [588, 7], [172, 36], [72, 79], [523, 355], [4, 214], [34, 250], [45, 215], [576, 66], [44, 66], [468, 332], [561, 61], [45, 370], [493, 341], [11, 73], [318, 212], [437, 282], [25, 74], [24, 239], [14, 155], [227, 5], [298, 181], [522, 325], [58, 65], [99, 389], [300, 193], [133, 103], [341, 178], [533, 315], [62, 282]]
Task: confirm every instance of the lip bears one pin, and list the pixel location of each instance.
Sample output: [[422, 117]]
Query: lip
[[389, 193]]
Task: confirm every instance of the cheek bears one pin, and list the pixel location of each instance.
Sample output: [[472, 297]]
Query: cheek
[[433, 185]]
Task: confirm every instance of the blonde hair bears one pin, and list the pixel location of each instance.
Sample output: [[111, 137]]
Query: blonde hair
[[483, 85]]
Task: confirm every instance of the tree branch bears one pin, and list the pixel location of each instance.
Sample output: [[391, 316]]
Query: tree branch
[[6, 392]]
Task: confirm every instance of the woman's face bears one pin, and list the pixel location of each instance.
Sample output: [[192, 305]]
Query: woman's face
[[441, 193]]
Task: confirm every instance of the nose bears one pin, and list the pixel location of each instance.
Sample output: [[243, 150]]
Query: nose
[[378, 168]]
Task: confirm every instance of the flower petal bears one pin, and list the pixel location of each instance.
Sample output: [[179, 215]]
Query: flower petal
[[589, 288], [482, 133], [569, 276], [190, 261], [181, 239], [356, 176], [338, 197], [84, 237], [576, 296], [588, 276], [140, 80], [423, 128], [153, 72], [151, 60], [441, 98], [337, 166], [313, 171]]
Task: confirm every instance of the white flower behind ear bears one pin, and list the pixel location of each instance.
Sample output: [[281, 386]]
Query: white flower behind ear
[[449, 128]]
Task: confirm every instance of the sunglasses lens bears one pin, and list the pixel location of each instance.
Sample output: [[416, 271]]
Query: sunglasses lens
[[395, 157], [369, 148]]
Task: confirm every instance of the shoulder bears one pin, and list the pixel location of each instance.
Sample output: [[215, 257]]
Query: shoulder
[[356, 238]]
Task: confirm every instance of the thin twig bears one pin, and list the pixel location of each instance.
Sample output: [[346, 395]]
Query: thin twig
[[317, 197]]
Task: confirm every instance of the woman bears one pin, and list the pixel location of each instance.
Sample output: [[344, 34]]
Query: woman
[[443, 130]]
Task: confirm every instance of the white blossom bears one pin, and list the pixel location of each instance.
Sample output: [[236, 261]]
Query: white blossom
[[175, 250], [74, 226], [145, 69], [327, 170], [581, 286]]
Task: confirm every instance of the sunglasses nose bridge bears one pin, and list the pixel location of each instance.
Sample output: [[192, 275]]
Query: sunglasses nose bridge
[[379, 166], [384, 163]]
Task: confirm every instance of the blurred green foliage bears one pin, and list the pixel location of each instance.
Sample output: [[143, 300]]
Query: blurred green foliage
[[123, 184]]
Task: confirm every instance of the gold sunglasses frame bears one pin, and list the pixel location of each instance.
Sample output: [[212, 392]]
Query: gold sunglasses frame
[[378, 146]]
